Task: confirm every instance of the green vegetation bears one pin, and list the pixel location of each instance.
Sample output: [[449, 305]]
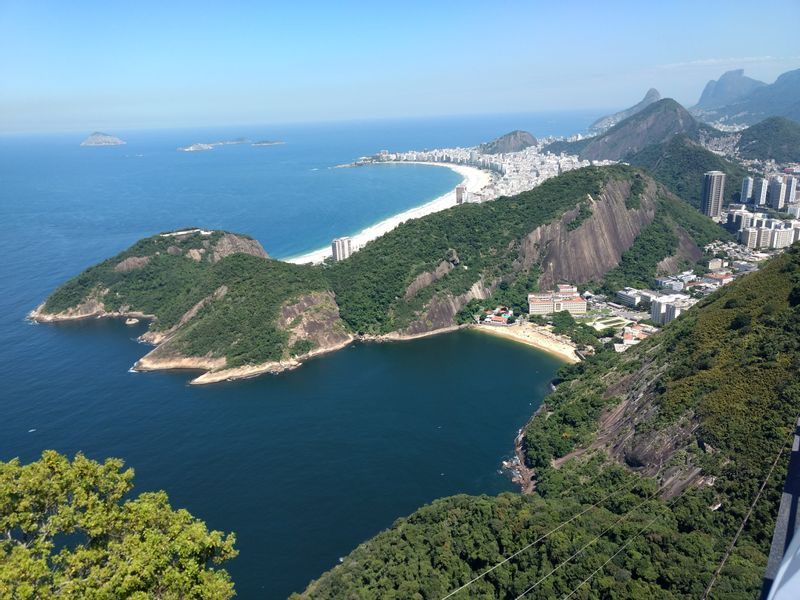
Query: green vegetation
[[370, 286], [637, 267], [718, 385], [775, 138], [227, 303], [71, 530], [679, 163]]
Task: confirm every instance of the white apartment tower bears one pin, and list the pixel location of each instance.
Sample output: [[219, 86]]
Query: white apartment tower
[[747, 190], [713, 193], [461, 194], [760, 192], [777, 192], [791, 190], [342, 248]]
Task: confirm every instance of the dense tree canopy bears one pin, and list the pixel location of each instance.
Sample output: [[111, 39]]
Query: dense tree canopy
[[70, 530]]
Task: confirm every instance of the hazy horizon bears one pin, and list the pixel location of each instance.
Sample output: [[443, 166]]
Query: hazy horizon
[[70, 68]]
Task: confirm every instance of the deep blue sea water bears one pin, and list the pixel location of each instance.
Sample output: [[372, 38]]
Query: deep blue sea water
[[304, 465]]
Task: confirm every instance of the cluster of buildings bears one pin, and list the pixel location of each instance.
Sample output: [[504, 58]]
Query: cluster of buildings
[[777, 192], [513, 172], [564, 297], [632, 335], [502, 315], [757, 230]]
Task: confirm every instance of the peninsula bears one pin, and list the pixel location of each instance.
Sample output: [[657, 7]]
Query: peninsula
[[102, 139], [219, 304]]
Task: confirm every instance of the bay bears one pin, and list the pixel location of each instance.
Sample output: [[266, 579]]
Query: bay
[[302, 466]]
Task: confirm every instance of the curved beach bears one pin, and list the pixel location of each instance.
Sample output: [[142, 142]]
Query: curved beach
[[474, 179]]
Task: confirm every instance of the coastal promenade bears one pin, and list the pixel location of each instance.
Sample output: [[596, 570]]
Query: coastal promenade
[[474, 180]]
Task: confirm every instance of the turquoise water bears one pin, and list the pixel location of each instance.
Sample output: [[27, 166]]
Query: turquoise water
[[302, 466]]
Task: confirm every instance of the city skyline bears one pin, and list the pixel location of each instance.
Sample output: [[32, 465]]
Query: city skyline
[[95, 66]]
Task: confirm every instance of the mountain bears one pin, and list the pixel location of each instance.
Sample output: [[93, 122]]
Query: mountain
[[730, 87], [101, 139], [510, 142], [778, 99], [776, 138], [646, 465], [219, 304], [679, 164], [604, 123], [653, 125]]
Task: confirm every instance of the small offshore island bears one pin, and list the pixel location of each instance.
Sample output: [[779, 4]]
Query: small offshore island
[[102, 139], [200, 146]]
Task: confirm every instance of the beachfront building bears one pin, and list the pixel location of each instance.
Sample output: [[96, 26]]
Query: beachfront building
[[713, 193], [565, 297], [342, 248], [461, 194]]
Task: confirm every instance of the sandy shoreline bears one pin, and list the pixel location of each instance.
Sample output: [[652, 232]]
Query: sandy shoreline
[[474, 179], [535, 336]]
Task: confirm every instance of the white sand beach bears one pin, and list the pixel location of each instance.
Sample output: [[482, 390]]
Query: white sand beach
[[536, 336], [474, 179]]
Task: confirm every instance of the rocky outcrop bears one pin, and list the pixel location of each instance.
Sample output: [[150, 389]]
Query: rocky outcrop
[[589, 251], [231, 244], [687, 251], [159, 337], [514, 141], [132, 263], [423, 280], [315, 317]]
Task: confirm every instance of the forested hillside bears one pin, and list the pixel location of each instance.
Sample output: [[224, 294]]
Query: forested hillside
[[775, 138], [670, 443], [217, 297], [679, 163]]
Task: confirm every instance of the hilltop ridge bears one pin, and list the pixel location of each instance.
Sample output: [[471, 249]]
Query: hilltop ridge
[[604, 123]]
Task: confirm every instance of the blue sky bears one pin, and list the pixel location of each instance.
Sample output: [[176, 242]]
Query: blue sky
[[121, 65]]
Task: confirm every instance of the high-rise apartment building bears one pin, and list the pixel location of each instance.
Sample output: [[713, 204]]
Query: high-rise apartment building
[[342, 248], [713, 193], [760, 191], [777, 192], [747, 190]]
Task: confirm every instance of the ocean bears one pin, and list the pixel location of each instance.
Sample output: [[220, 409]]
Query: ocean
[[304, 465]]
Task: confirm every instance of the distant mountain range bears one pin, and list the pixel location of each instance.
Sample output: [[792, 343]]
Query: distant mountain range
[[655, 124], [736, 99], [514, 141], [604, 123], [732, 86]]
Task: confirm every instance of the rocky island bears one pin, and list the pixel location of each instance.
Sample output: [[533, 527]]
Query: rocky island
[[199, 146], [102, 139]]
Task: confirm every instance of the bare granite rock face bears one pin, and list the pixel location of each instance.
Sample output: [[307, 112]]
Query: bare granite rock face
[[315, 317], [595, 247], [231, 244], [131, 264]]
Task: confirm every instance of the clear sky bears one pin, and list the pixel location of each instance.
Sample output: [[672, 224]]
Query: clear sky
[[73, 65]]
